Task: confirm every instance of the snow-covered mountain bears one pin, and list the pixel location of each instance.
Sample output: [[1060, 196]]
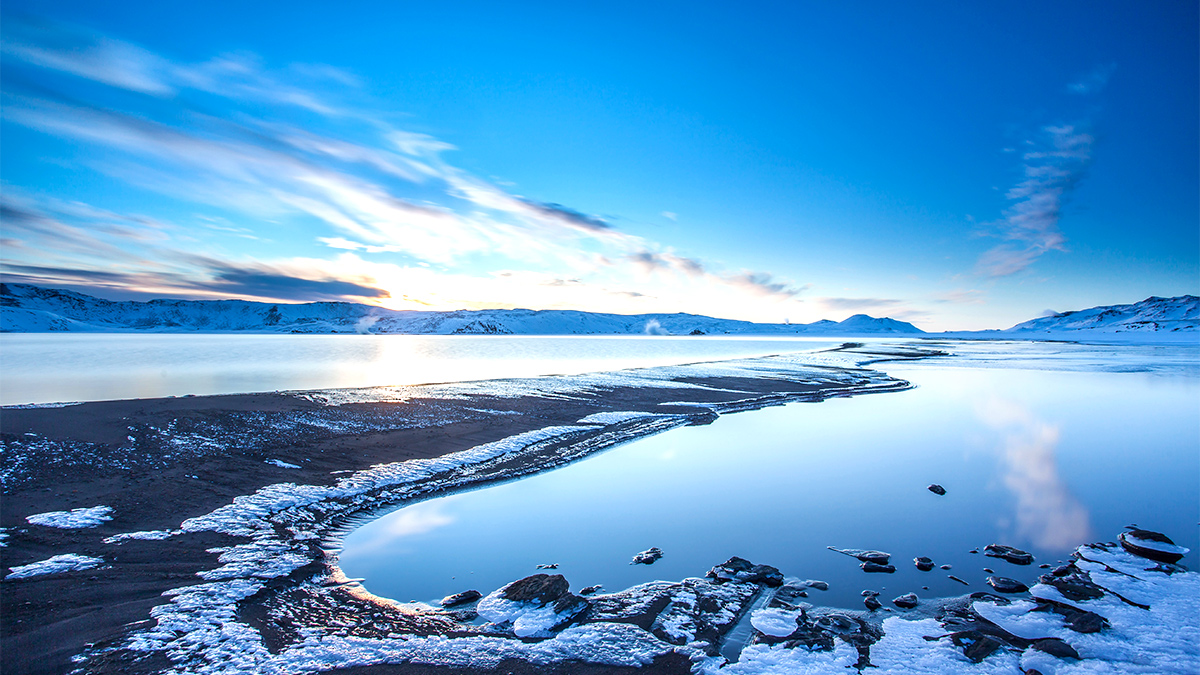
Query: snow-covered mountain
[[1150, 315], [32, 309]]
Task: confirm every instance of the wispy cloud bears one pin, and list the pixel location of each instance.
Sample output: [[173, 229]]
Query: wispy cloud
[[1053, 166], [1093, 82], [223, 134], [853, 304]]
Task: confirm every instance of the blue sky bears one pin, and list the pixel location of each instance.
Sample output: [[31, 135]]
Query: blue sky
[[955, 166]]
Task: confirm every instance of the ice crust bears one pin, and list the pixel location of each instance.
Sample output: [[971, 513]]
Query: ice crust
[[529, 619], [66, 562], [1164, 639], [73, 519]]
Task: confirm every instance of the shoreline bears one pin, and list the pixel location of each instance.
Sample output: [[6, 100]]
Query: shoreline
[[50, 619], [211, 564]]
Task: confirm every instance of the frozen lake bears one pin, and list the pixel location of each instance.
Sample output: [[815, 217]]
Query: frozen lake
[[1045, 449], [58, 367]]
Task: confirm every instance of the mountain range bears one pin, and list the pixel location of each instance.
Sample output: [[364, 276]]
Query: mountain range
[[32, 309]]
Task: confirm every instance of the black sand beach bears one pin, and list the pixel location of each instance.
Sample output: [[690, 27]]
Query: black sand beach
[[159, 462]]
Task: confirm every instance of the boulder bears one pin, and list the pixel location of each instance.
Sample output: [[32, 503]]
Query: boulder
[[1013, 555], [923, 563], [648, 556], [461, 598], [1151, 545], [906, 601], [1006, 585], [937, 489]]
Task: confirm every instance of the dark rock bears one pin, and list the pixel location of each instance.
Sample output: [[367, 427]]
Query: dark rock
[[551, 566], [463, 615], [989, 570], [590, 589], [1006, 585], [1151, 545], [461, 598], [982, 647], [740, 569], [906, 601], [1056, 647], [923, 563], [648, 556], [819, 585], [974, 550], [937, 489], [872, 567], [964, 583], [990, 597], [765, 574], [877, 557], [1013, 555], [866, 594], [539, 588], [1075, 587], [947, 567], [872, 603], [1063, 570], [1044, 566], [1085, 622]]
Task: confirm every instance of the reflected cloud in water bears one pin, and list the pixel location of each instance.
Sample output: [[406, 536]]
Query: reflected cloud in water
[[409, 521], [1047, 514]]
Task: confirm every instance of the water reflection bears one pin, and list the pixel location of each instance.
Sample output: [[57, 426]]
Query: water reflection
[[779, 485], [1047, 514]]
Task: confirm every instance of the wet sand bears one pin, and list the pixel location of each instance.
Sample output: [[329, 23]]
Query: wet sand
[[158, 462]]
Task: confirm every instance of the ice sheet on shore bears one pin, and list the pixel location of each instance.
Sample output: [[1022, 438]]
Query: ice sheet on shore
[[73, 519], [66, 562], [1163, 639]]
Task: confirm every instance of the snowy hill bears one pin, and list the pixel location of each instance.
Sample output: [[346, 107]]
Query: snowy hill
[[1150, 315], [33, 309]]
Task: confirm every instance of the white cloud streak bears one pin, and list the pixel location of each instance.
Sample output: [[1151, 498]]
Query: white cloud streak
[[1030, 226]]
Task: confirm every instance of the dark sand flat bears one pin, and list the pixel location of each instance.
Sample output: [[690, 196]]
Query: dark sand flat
[[158, 462]]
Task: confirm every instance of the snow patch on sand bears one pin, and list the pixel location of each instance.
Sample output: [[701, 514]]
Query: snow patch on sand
[[281, 464], [73, 519], [67, 562], [148, 535]]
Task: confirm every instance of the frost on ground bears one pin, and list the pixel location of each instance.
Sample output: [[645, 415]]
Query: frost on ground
[[67, 562], [73, 519]]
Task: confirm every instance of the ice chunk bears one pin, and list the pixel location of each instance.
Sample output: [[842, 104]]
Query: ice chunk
[[774, 622], [281, 464], [67, 562], [73, 519]]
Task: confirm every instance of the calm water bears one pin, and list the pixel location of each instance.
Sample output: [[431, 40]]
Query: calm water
[[1040, 460], [55, 367]]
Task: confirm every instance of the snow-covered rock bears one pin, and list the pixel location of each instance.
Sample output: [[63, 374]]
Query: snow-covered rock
[[33, 309]]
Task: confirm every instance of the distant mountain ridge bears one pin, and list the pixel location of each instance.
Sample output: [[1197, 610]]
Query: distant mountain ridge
[[1153, 314], [33, 309]]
